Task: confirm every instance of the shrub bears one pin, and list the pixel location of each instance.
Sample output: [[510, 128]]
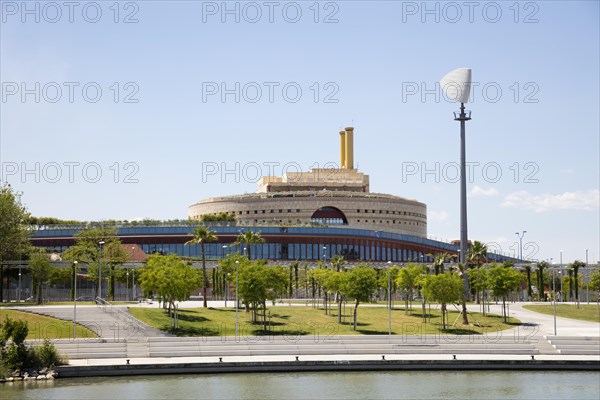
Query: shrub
[[16, 355], [47, 356]]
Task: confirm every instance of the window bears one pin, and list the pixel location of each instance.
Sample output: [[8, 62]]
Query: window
[[272, 211], [289, 210], [358, 211], [255, 212], [263, 211], [280, 210], [297, 210]]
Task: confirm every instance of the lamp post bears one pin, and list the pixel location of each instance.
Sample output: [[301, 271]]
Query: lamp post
[[101, 243], [521, 236], [133, 282], [554, 297], [75, 300], [561, 281], [457, 86], [587, 290], [237, 304], [226, 283], [389, 299], [19, 291]]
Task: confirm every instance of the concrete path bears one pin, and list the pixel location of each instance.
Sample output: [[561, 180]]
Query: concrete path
[[124, 337], [110, 322]]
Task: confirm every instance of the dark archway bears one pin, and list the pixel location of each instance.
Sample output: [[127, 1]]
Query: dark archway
[[329, 216]]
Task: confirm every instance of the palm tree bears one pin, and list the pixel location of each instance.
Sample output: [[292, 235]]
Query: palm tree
[[247, 238], [439, 260], [575, 266], [200, 236], [540, 275], [477, 254], [528, 271], [338, 262]]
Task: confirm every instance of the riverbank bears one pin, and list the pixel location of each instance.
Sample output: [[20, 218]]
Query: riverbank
[[212, 365]]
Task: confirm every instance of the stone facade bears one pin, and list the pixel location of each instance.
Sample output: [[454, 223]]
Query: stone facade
[[378, 212]]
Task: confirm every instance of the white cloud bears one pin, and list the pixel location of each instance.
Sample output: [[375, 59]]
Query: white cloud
[[579, 200], [437, 216], [479, 191]]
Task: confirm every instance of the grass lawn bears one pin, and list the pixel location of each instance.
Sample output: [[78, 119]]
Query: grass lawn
[[42, 327], [586, 312], [300, 320]]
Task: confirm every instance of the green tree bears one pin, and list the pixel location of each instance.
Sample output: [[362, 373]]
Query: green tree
[[502, 281], [541, 266], [259, 283], [171, 279], [360, 284], [40, 267], [382, 281], [528, 272], [479, 281], [443, 288], [101, 258], [477, 254], [407, 280], [439, 261], [338, 262], [200, 236], [14, 240], [335, 283], [595, 284], [248, 238], [575, 265], [321, 276]]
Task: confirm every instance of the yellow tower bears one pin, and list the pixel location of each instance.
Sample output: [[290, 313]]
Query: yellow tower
[[349, 159], [342, 149]]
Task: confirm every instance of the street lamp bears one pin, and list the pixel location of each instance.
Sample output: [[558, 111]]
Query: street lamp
[[554, 297], [226, 275], [561, 281], [19, 291], [133, 280], [457, 86], [75, 300], [587, 290], [237, 304], [521, 236], [101, 243], [324, 255], [389, 299]]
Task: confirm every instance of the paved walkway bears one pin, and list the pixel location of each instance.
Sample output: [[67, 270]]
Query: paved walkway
[[109, 322]]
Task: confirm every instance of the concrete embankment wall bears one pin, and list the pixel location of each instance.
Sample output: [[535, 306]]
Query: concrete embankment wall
[[340, 365]]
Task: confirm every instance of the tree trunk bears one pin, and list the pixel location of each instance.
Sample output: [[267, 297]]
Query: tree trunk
[[464, 313], [1, 284], [39, 292], [204, 278], [355, 312], [73, 283], [443, 316], [575, 271], [264, 316], [325, 302], [504, 309], [339, 301]]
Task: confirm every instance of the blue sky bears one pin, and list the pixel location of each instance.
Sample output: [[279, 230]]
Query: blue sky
[[167, 113]]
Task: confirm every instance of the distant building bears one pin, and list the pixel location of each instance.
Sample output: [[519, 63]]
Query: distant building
[[321, 197]]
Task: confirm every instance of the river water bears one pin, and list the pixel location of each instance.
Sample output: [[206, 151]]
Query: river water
[[320, 385]]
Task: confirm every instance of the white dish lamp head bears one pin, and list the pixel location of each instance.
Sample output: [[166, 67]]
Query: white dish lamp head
[[457, 84]]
